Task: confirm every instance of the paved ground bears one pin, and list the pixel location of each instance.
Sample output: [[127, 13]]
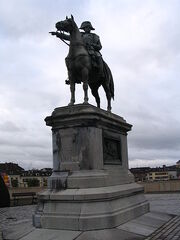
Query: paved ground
[[16, 222], [168, 203], [163, 222], [170, 230]]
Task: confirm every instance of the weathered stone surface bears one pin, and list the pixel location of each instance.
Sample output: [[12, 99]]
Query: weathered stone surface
[[110, 234], [48, 234], [109, 176], [92, 208], [78, 135], [146, 224], [150, 221], [103, 193], [159, 203], [92, 116], [18, 230], [158, 215], [137, 228], [11, 228], [91, 186], [58, 180]]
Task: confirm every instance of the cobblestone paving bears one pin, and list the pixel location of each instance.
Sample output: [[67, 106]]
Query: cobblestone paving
[[169, 231], [15, 215]]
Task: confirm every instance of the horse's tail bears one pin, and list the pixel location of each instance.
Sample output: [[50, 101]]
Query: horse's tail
[[111, 84], [109, 78]]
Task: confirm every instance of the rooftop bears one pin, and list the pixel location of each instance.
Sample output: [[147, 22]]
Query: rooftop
[[11, 168]]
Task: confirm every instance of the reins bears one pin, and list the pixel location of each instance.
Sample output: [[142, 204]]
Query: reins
[[63, 39], [75, 44]]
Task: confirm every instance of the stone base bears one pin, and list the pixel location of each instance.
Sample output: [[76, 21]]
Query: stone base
[[112, 175], [91, 187], [90, 208]]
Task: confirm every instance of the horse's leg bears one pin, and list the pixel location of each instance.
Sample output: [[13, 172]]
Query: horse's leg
[[108, 96], [72, 88], [85, 73], [96, 95]]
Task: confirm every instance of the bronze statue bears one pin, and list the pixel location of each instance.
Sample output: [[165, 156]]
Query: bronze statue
[[84, 61]]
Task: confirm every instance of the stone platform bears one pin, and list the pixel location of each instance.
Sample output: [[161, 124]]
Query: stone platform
[[93, 208], [162, 222], [91, 186]]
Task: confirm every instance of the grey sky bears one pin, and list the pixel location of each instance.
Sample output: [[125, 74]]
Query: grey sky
[[141, 44]]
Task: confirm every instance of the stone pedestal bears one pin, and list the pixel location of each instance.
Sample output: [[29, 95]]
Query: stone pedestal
[[91, 186]]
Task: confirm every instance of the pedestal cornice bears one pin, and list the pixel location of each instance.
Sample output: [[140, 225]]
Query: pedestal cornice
[[86, 115]]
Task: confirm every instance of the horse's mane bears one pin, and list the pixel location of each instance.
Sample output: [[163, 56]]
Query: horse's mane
[[74, 24]]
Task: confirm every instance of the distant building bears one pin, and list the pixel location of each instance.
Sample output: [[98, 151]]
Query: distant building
[[178, 164], [140, 174], [46, 170], [36, 177], [172, 171], [178, 169], [11, 168], [157, 175], [11, 173], [164, 173], [16, 176]]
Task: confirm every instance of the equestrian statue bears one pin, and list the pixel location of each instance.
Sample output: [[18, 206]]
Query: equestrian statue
[[84, 61]]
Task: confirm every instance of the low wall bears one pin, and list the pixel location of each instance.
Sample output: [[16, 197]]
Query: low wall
[[161, 186], [149, 187], [27, 189], [23, 200]]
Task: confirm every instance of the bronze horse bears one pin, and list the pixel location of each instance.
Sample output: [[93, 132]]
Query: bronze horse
[[80, 68]]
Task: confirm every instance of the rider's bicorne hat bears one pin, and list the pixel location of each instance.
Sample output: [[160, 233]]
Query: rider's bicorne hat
[[86, 24]]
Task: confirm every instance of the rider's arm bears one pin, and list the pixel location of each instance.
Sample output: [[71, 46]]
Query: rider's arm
[[97, 44], [63, 36]]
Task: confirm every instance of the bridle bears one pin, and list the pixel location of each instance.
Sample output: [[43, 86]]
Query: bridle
[[75, 44], [72, 44], [63, 39]]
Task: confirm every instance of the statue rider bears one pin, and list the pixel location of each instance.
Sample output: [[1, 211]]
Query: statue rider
[[92, 44]]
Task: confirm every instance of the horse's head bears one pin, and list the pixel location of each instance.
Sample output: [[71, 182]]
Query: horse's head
[[67, 25]]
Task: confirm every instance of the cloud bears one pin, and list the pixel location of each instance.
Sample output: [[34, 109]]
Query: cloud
[[141, 44], [9, 126]]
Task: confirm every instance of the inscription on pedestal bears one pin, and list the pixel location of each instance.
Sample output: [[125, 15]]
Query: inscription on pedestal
[[112, 151]]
